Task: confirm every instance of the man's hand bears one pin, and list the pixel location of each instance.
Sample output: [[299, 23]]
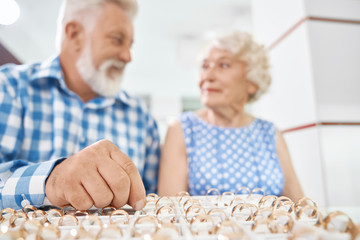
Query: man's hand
[[98, 175]]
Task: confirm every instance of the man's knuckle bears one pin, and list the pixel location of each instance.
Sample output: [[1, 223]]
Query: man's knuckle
[[129, 167], [81, 203], [104, 201], [124, 181]]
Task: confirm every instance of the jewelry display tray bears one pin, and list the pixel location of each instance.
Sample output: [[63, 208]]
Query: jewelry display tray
[[226, 216]]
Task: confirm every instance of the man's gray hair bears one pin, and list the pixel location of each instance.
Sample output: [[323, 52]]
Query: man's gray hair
[[87, 11]]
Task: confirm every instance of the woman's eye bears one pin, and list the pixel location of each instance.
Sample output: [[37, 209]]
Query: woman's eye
[[205, 66], [224, 65]]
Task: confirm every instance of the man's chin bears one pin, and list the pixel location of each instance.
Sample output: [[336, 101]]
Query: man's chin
[[111, 89]]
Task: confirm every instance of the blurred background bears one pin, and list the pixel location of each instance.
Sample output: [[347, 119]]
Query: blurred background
[[314, 48]]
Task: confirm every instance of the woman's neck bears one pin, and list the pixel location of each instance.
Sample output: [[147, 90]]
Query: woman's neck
[[226, 117]]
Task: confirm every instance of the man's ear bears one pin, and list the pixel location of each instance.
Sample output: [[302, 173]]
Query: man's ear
[[75, 34]]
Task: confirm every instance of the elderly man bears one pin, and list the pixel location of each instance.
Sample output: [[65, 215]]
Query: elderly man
[[68, 134]]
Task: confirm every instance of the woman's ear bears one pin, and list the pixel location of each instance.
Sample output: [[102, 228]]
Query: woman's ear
[[252, 87], [75, 35]]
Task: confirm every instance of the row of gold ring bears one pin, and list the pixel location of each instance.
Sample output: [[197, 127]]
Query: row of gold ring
[[270, 223], [222, 228], [33, 212], [54, 216], [50, 231], [156, 224]]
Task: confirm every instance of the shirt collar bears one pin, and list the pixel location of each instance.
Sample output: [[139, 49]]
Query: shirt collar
[[51, 69]]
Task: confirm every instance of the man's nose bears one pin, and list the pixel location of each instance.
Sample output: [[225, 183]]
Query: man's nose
[[125, 55]]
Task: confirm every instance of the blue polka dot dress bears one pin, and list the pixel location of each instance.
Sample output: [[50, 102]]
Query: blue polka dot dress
[[229, 158]]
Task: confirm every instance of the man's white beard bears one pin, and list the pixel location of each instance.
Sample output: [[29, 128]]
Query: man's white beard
[[98, 79]]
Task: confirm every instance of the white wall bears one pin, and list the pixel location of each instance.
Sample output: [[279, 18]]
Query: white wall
[[316, 79]]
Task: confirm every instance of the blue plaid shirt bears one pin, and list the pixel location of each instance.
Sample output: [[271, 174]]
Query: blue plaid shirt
[[42, 122]]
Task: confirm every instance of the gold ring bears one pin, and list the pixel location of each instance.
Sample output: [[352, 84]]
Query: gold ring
[[39, 214], [109, 232], [280, 199], [320, 220], [350, 224], [216, 212], [31, 226], [265, 199], [169, 225], [303, 233], [80, 233], [245, 206], [240, 189], [13, 235], [6, 213], [142, 220], [289, 206], [256, 190], [151, 197], [260, 222], [236, 201], [68, 209], [81, 213], [195, 209], [236, 229], [303, 202], [169, 211], [183, 198], [116, 213], [167, 229], [48, 229], [305, 210], [211, 190], [15, 217], [283, 201], [166, 202], [53, 216], [28, 208], [91, 220], [66, 219], [106, 211], [273, 225], [263, 212], [223, 196], [202, 218], [182, 193], [191, 202]]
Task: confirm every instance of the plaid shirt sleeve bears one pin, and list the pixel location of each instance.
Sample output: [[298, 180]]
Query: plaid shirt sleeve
[[152, 157], [17, 176]]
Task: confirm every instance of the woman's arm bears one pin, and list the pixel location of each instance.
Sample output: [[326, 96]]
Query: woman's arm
[[292, 188], [173, 173]]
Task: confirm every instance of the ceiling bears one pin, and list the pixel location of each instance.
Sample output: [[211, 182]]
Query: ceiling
[[32, 37], [167, 39]]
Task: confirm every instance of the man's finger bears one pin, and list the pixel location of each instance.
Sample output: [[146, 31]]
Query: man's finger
[[137, 190], [78, 197], [97, 188], [118, 181]]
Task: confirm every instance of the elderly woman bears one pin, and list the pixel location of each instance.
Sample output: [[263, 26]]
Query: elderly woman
[[221, 146]]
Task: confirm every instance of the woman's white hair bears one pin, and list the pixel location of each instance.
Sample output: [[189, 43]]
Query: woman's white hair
[[86, 12], [245, 49]]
